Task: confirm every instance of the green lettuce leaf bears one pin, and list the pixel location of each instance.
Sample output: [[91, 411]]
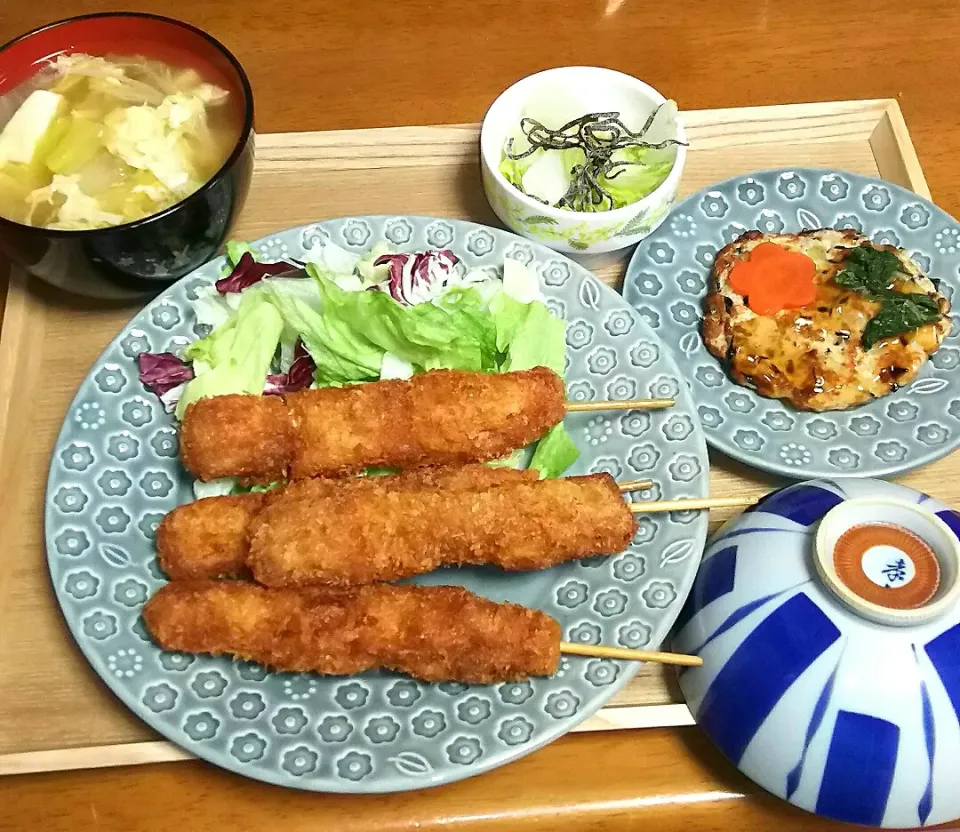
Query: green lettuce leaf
[[555, 453], [513, 169], [380, 471], [236, 356], [368, 272], [528, 335], [258, 489], [235, 249], [340, 351], [557, 178], [514, 459], [455, 332]]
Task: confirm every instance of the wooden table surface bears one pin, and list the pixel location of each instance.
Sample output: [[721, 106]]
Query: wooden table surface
[[321, 65]]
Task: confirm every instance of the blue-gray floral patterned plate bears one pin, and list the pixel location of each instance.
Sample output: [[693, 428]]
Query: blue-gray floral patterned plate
[[114, 473], [668, 278]]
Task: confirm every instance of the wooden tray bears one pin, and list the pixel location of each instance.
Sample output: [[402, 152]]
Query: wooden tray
[[54, 712]]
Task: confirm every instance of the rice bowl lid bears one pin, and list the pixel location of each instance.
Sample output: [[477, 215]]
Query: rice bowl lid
[[844, 707]]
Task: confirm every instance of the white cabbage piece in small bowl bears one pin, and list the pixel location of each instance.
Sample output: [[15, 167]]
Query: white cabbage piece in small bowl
[[525, 192]]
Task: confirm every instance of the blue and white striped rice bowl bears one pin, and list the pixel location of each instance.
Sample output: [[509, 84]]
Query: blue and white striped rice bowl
[[842, 716]]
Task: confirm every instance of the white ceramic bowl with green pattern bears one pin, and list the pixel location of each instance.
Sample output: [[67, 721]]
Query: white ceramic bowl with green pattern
[[575, 232]]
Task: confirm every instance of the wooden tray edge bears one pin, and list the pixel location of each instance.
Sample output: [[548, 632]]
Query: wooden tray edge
[[18, 328], [140, 753], [894, 151], [404, 146]]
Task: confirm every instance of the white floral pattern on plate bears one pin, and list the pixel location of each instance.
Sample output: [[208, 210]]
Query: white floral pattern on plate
[[911, 427], [114, 473]]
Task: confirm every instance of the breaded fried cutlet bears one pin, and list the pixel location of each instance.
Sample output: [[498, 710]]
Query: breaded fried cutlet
[[308, 536], [250, 437], [209, 538], [443, 417], [436, 634]]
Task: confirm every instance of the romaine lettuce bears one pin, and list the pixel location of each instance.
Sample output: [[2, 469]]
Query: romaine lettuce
[[555, 453], [454, 332], [236, 356], [528, 335]]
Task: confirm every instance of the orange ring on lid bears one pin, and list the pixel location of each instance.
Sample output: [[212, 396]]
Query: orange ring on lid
[[887, 565], [890, 560]]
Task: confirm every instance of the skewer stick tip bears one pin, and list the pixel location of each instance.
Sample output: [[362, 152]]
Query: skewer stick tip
[[693, 504], [627, 486], [623, 404], [603, 652]]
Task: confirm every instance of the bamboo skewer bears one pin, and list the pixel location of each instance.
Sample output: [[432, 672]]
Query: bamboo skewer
[[695, 504], [599, 651], [634, 485], [622, 404]]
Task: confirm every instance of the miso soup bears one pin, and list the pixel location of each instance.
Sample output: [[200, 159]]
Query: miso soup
[[91, 142]]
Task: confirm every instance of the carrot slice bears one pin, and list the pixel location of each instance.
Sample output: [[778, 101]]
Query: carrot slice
[[773, 278]]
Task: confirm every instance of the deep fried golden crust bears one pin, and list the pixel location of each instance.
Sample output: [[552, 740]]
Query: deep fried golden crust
[[437, 634], [480, 421], [237, 436], [306, 537], [443, 417], [209, 538], [343, 430]]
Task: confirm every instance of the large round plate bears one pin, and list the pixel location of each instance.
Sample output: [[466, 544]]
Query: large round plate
[[115, 472], [668, 278]]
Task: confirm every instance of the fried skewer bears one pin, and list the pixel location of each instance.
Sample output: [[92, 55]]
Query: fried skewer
[[438, 418], [437, 634], [209, 538], [307, 536], [444, 417]]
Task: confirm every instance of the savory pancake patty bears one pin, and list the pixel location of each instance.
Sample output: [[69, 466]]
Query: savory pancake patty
[[812, 356]]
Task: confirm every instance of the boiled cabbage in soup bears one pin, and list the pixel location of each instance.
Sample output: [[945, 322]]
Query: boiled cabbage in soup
[[92, 142]]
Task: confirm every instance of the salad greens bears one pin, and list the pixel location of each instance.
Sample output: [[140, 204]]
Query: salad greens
[[527, 335], [341, 353], [454, 331], [344, 319], [554, 453], [235, 357]]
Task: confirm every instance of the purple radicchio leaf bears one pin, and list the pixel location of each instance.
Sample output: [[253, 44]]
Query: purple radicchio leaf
[[416, 278], [249, 271], [160, 372], [298, 377]]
